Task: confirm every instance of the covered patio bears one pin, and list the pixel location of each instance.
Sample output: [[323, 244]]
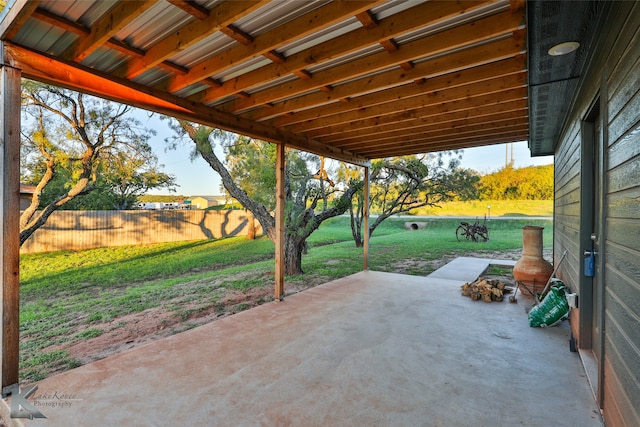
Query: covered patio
[[353, 81], [371, 349]]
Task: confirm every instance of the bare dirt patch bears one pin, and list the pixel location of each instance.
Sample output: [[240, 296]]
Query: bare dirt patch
[[135, 329], [419, 266]]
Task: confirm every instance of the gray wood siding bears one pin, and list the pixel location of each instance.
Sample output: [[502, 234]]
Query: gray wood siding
[[567, 208], [617, 59], [622, 271]]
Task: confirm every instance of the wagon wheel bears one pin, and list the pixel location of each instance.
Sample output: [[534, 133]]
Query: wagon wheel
[[461, 232]]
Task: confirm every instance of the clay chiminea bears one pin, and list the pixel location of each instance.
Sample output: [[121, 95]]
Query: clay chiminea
[[531, 269]]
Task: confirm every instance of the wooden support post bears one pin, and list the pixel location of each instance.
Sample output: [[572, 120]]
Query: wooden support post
[[280, 166], [10, 216], [365, 223]]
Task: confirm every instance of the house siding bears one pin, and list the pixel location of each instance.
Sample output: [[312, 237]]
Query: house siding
[[614, 75]]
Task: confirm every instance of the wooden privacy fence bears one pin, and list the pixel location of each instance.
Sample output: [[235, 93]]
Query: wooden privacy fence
[[76, 230]]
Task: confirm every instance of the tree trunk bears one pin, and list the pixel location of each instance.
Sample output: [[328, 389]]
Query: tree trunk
[[295, 239], [357, 216], [203, 146], [251, 225], [356, 228], [293, 248]]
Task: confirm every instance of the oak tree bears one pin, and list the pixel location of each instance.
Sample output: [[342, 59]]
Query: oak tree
[[249, 177]]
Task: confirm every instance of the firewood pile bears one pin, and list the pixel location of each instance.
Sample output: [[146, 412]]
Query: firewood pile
[[486, 289]]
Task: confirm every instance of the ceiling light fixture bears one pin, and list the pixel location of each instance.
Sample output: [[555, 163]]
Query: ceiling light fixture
[[563, 48]]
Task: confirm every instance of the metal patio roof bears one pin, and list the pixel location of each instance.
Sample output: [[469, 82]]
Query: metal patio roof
[[353, 80]]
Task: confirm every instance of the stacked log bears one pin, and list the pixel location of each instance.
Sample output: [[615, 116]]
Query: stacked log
[[486, 289]]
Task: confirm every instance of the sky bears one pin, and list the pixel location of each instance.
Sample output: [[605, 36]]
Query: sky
[[196, 178]]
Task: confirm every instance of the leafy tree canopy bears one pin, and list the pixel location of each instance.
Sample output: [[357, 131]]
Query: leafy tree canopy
[[401, 184], [73, 144], [529, 183], [248, 175]]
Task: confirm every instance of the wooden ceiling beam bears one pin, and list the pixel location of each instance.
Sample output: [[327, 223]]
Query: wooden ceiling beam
[[418, 16], [458, 86], [60, 22], [482, 30], [325, 16], [121, 15], [428, 124], [223, 15], [273, 56], [237, 34], [73, 27], [367, 19], [192, 8], [18, 14], [426, 99], [449, 122], [507, 110], [390, 46], [415, 118], [47, 69], [414, 147], [433, 131], [472, 102], [408, 90], [436, 147], [488, 90]]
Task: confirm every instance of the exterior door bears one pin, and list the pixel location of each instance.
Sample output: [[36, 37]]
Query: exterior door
[[591, 231], [596, 333]]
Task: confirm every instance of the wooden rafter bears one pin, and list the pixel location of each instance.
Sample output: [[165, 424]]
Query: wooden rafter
[[222, 16], [437, 124], [415, 118], [60, 22], [440, 144], [439, 98], [431, 46], [118, 17], [325, 116], [237, 34], [192, 8], [80, 30], [367, 19], [427, 133], [320, 18], [407, 90], [17, 16], [468, 103], [402, 119], [395, 26], [496, 114]]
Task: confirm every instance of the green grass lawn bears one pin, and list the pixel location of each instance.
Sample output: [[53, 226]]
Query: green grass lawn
[[70, 297]]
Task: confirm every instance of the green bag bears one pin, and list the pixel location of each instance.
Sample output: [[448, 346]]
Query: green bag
[[552, 310]]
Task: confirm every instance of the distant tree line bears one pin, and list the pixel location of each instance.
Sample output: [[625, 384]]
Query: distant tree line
[[529, 183]]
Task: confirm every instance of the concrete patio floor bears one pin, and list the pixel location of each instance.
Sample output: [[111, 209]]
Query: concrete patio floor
[[371, 349]]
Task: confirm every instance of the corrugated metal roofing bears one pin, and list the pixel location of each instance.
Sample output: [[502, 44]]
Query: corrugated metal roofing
[[253, 67]]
